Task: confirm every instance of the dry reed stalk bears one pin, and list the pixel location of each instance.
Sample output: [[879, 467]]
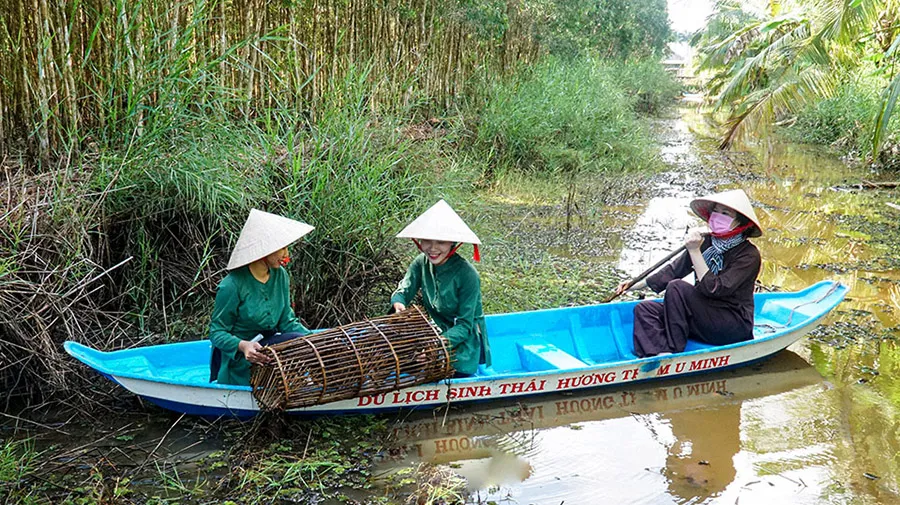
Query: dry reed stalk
[[49, 285]]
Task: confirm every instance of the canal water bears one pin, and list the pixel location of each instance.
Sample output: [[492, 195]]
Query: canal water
[[816, 424]]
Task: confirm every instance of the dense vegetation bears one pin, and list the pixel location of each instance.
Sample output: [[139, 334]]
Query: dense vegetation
[[827, 67], [137, 136]]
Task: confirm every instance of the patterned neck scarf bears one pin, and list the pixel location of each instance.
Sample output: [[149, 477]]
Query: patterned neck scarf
[[714, 254]]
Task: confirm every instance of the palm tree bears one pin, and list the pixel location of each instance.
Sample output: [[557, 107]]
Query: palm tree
[[772, 63]]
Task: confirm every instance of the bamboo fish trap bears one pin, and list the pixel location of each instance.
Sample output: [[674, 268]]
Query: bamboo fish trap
[[362, 358]]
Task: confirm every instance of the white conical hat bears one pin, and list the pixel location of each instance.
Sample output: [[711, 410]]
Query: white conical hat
[[263, 234], [440, 222], [735, 199]]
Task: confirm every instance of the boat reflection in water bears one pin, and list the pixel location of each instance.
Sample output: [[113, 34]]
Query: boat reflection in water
[[693, 424]]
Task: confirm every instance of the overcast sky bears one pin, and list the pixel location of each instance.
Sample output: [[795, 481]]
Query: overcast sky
[[689, 15]]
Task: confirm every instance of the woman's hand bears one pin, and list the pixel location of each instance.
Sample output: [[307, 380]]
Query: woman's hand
[[694, 239], [251, 352], [636, 286], [399, 307]]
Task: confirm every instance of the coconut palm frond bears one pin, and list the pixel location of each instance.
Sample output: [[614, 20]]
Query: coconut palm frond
[[718, 50], [842, 21], [765, 67], [779, 51], [885, 112], [789, 96]]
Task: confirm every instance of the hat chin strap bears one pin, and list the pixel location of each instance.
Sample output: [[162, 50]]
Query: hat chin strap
[[736, 231]]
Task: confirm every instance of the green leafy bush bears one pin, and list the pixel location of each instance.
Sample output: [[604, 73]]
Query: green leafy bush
[[843, 120], [651, 86], [565, 116]]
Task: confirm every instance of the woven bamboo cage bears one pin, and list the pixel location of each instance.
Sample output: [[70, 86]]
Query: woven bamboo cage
[[362, 358]]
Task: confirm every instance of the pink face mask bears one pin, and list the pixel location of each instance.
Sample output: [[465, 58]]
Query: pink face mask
[[719, 223]]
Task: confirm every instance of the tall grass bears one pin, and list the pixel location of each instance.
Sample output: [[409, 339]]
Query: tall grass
[[76, 72], [140, 235], [177, 202], [565, 116], [648, 83]]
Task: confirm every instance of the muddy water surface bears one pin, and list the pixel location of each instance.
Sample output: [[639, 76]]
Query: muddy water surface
[[816, 424]]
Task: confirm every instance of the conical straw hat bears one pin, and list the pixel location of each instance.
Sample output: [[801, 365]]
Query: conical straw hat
[[735, 199], [440, 222], [263, 234]]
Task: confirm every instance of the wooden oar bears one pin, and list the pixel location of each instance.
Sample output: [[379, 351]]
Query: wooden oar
[[645, 273]]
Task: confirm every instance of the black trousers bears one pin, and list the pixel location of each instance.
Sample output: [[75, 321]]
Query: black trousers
[[685, 313]]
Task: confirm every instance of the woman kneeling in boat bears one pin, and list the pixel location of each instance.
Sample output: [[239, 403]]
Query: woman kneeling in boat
[[718, 308], [254, 298], [450, 286]]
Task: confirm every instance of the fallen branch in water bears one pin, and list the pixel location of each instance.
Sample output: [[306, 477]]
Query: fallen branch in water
[[867, 185], [881, 185]]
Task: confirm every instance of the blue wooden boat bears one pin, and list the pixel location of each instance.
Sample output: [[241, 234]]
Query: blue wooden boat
[[534, 352]]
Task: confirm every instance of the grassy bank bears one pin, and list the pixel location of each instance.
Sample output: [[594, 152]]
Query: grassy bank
[[572, 116], [845, 121]]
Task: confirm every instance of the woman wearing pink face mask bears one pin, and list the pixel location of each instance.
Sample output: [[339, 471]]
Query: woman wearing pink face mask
[[718, 308], [254, 298]]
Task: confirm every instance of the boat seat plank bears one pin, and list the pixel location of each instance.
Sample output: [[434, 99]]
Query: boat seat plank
[[539, 355]]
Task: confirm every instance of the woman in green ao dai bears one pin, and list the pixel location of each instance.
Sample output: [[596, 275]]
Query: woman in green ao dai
[[254, 299], [449, 285]]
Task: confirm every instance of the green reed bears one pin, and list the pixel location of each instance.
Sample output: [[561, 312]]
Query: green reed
[[72, 73]]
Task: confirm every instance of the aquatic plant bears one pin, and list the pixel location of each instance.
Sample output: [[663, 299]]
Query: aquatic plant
[[17, 460]]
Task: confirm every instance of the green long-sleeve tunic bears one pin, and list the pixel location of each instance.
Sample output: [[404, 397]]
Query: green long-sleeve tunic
[[451, 293], [244, 308]]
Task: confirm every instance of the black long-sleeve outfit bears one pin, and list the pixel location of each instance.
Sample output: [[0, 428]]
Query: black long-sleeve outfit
[[717, 310]]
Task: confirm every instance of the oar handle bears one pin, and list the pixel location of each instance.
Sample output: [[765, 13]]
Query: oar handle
[[645, 273]]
